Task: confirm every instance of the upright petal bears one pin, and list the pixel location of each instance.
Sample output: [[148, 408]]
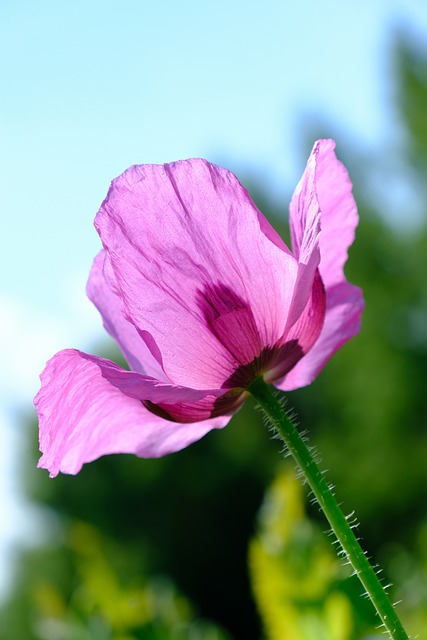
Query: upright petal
[[303, 334], [84, 414], [339, 217], [304, 213], [338, 220], [304, 220], [342, 322], [325, 188], [177, 233]]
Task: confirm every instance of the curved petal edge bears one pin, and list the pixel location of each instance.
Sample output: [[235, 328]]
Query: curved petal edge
[[83, 416]]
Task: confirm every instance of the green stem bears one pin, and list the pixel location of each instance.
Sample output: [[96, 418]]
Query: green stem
[[275, 411]]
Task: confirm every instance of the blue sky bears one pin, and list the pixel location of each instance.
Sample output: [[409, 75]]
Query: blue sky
[[89, 88], [93, 87]]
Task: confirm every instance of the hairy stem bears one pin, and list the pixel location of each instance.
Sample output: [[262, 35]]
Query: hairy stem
[[282, 423]]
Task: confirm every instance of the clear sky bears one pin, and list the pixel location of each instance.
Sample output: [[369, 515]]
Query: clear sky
[[91, 87]]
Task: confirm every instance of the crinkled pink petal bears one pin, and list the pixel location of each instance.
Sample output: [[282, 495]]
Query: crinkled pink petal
[[339, 217], [330, 191], [133, 347], [305, 231], [303, 334], [182, 239], [84, 414], [304, 213], [338, 220], [342, 322]]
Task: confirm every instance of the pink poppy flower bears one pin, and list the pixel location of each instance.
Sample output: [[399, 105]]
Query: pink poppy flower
[[202, 296]]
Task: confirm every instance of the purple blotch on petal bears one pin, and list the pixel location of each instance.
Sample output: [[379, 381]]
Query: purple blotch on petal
[[231, 320], [208, 407]]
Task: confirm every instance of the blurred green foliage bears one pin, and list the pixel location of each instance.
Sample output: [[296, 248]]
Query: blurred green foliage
[[153, 549], [302, 589], [81, 589]]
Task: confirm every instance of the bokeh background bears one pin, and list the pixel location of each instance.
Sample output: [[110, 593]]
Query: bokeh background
[[218, 541]]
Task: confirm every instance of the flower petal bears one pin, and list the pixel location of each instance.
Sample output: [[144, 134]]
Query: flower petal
[[339, 217], [88, 407], [304, 213], [325, 188], [304, 220], [175, 233], [342, 322], [302, 335], [133, 347], [338, 220]]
